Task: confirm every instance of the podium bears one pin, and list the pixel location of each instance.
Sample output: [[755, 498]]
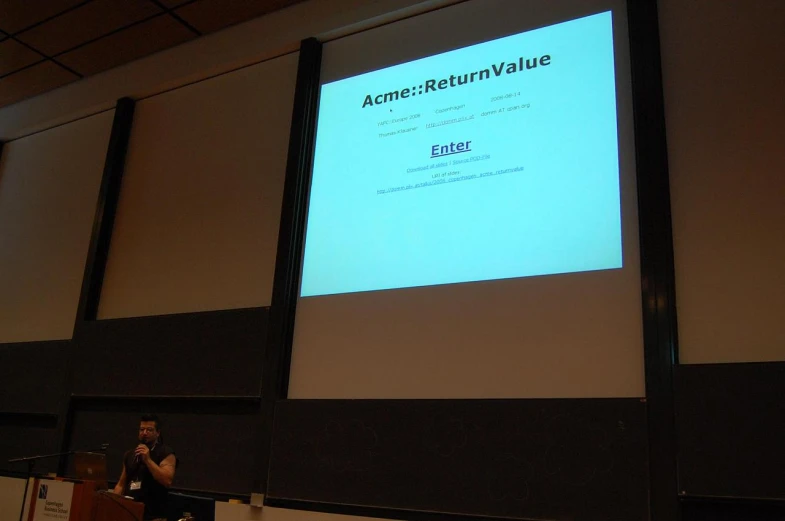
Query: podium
[[111, 507], [60, 499]]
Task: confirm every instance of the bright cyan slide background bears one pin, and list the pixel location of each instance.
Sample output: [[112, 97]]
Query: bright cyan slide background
[[539, 194]]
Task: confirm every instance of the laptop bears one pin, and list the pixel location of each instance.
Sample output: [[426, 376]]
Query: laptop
[[91, 466]]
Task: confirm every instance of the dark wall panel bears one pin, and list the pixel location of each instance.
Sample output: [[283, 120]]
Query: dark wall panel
[[714, 510], [215, 443], [731, 427], [34, 376], [217, 353], [550, 459], [18, 441]]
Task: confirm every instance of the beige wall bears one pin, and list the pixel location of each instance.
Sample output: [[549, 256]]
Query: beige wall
[[724, 79], [227, 512], [48, 191], [230, 512], [723, 76], [11, 493], [279, 514], [197, 220]]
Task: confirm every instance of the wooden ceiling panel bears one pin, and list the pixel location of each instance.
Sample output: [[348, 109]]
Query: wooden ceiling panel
[[173, 3], [124, 46], [88, 22], [14, 56], [16, 15], [91, 36], [211, 15], [33, 80]]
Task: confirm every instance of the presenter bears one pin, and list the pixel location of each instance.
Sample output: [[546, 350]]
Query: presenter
[[148, 470]]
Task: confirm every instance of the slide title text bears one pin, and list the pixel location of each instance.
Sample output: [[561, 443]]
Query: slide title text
[[432, 85]]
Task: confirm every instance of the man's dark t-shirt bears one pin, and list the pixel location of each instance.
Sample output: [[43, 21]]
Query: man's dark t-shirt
[[151, 493]]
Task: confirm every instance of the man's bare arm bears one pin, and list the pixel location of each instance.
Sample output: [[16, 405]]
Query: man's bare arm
[[163, 473], [120, 487]]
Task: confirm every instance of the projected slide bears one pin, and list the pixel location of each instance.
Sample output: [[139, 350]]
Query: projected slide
[[493, 161]]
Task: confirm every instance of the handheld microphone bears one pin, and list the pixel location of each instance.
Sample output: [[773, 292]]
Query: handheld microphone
[[138, 458]]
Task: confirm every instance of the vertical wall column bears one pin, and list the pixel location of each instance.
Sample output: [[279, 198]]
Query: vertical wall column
[[106, 208], [293, 220], [95, 264], [656, 250], [278, 347]]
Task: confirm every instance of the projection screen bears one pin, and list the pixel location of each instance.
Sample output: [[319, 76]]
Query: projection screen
[[472, 226]]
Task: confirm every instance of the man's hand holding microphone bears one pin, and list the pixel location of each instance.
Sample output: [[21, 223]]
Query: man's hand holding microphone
[[142, 453]]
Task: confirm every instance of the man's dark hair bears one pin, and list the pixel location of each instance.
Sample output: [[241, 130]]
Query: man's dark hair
[[152, 418]]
